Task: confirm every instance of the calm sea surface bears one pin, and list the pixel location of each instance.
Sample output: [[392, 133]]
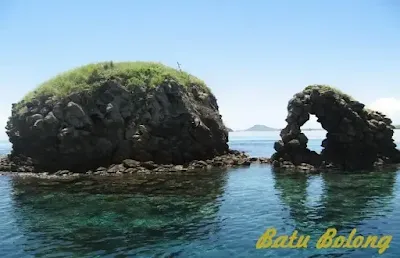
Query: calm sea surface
[[213, 214]]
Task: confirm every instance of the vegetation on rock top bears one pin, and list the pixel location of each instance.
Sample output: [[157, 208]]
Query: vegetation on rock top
[[130, 74], [326, 88], [323, 89]]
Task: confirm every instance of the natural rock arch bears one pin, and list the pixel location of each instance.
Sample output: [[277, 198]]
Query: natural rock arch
[[356, 139]]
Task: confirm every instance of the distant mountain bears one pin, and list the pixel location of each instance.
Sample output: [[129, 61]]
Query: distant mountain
[[397, 126], [261, 128], [229, 129]]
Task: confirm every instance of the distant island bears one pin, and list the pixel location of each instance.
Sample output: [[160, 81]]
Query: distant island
[[312, 129], [264, 128], [261, 128], [397, 126]]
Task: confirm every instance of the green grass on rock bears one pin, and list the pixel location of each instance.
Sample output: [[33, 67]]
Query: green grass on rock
[[131, 74], [325, 88]]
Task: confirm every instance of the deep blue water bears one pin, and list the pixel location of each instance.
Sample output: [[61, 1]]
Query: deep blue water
[[210, 214]]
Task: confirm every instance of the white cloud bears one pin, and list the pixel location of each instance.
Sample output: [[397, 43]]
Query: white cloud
[[388, 106]]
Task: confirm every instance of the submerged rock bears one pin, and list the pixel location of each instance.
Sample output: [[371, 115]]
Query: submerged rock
[[230, 160], [357, 138]]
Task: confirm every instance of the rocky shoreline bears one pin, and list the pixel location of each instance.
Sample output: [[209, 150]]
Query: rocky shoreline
[[129, 166], [287, 166], [234, 159]]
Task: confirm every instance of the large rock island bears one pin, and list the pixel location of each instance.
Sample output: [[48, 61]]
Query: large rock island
[[116, 113], [357, 138]]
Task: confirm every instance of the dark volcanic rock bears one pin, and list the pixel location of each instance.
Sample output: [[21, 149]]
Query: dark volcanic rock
[[129, 166], [357, 138], [167, 124]]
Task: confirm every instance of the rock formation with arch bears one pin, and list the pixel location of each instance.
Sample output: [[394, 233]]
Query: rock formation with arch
[[357, 138]]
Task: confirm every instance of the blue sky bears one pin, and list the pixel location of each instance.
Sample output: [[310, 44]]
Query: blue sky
[[253, 54]]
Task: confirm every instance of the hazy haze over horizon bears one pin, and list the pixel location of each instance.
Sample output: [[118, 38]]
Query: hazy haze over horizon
[[254, 56]]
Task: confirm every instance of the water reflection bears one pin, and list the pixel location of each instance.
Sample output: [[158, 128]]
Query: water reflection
[[199, 215], [117, 215], [344, 201]]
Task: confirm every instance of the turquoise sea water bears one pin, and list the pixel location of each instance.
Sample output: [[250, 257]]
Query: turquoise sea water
[[209, 214]]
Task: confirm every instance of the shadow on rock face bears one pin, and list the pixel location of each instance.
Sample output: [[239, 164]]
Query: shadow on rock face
[[343, 201], [131, 215], [169, 123], [357, 138]]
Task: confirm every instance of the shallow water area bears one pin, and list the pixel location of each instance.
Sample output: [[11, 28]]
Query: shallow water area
[[217, 213]]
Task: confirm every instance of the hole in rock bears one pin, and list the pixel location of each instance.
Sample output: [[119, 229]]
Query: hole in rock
[[315, 134]]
